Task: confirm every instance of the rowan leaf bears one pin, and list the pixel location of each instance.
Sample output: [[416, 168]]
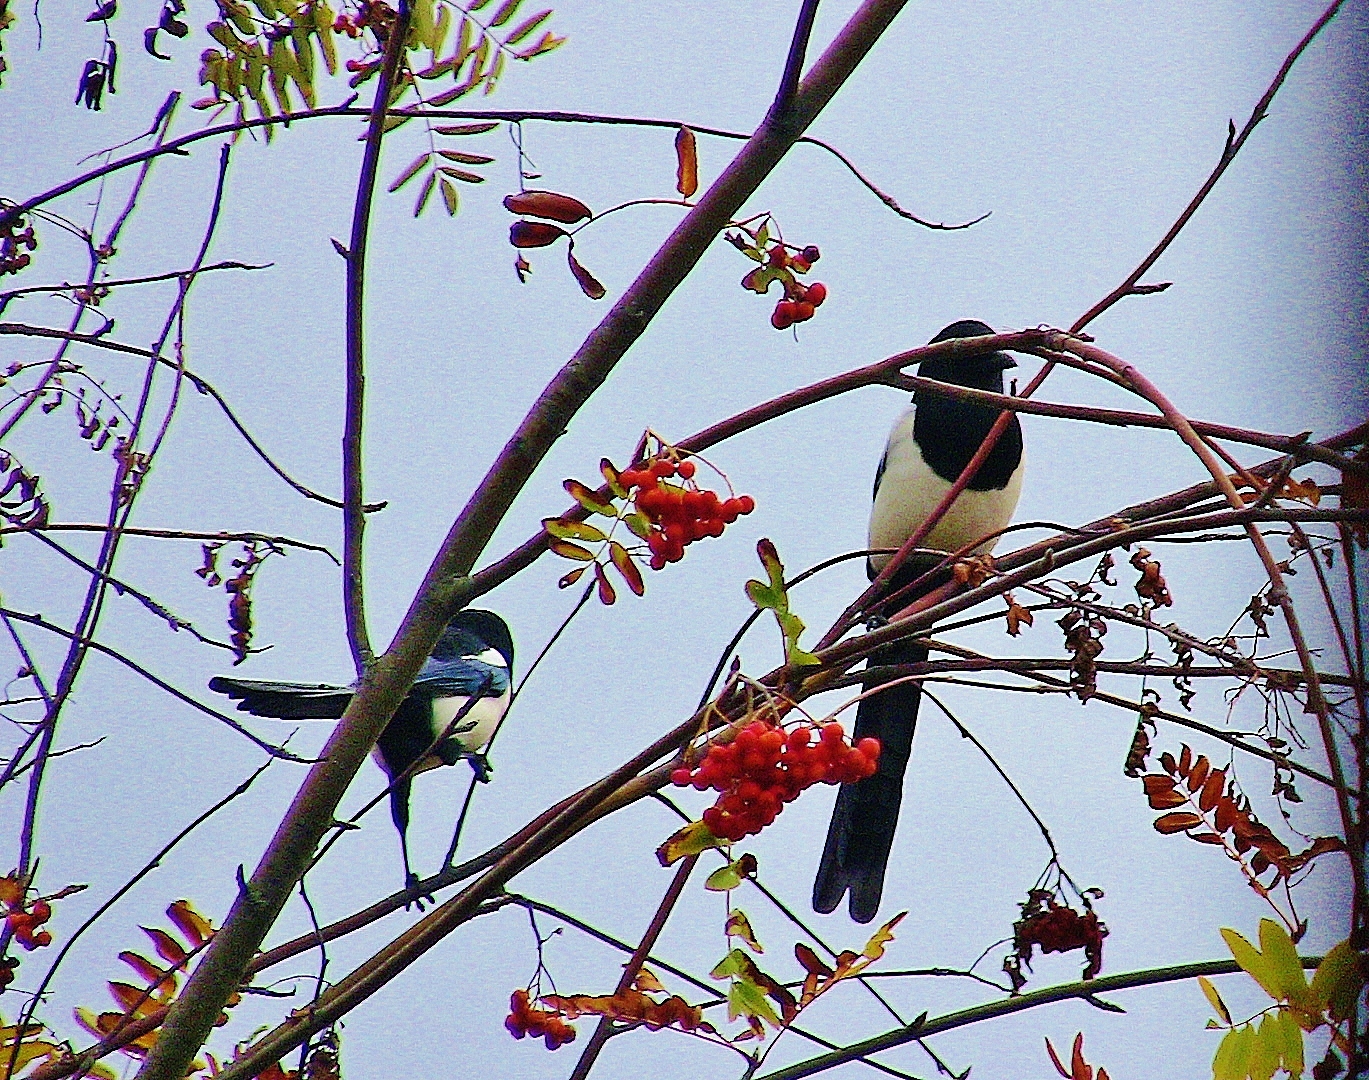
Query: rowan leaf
[[622, 559], [449, 197], [567, 550], [588, 283], [573, 530], [687, 163], [694, 838], [608, 595], [1252, 962], [588, 498], [410, 171], [1178, 821], [1214, 999], [1337, 982], [739, 926], [1282, 955], [874, 948]]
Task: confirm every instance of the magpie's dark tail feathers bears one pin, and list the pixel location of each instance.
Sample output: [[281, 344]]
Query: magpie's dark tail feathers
[[861, 833], [284, 701]]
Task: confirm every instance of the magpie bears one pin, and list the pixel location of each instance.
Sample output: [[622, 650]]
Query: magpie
[[472, 659], [931, 443]]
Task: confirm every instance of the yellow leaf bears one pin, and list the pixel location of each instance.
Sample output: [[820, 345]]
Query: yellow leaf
[[1337, 982], [874, 948], [692, 839], [1214, 999], [1252, 962], [1282, 956], [738, 925]]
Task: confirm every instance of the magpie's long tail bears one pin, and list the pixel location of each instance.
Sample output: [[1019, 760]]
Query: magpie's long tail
[[284, 701], [866, 814], [861, 833]]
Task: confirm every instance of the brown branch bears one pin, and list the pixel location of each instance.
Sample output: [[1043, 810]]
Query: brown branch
[[177, 534], [201, 384], [633, 967]]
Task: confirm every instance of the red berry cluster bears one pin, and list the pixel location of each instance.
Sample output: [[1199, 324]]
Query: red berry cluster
[[23, 925], [15, 235], [679, 514], [525, 1019], [763, 768], [800, 301]]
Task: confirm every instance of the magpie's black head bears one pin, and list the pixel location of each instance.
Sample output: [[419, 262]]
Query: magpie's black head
[[472, 631], [983, 371]]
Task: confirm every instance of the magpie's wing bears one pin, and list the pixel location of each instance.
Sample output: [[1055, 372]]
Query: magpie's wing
[[461, 676], [283, 700]]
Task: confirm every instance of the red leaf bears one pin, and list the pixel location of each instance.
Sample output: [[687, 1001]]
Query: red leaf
[[607, 595], [547, 204], [1161, 793], [588, 283], [531, 234], [1212, 790], [1198, 774]]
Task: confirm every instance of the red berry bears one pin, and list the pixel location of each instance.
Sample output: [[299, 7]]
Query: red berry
[[811, 253], [687, 469], [680, 777], [42, 938], [816, 294], [778, 256], [803, 311], [745, 503], [783, 315], [40, 911], [798, 264]]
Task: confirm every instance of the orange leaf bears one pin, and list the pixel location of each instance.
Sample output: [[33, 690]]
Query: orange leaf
[[1176, 822], [1198, 774], [192, 925], [687, 169], [1161, 793], [1212, 790]]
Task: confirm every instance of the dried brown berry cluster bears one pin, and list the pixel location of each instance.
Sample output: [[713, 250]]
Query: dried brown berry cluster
[[16, 234]]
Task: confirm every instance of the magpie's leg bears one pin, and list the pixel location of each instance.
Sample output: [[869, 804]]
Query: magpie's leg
[[399, 812]]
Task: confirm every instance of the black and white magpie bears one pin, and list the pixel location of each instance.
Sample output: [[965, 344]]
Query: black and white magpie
[[472, 658], [930, 445]]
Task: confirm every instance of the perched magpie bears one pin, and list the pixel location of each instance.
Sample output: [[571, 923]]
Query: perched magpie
[[929, 446], [472, 658]]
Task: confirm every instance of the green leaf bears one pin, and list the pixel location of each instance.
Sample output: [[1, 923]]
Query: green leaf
[[462, 174], [505, 12], [745, 998], [421, 23], [496, 70], [323, 23], [1252, 962], [691, 840], [588, 498], [425, 193], [739, 926], [440, 28], [639, 524], [1229, 1063], [1292, 1044], [449, 197], [466, 159], [725, 878], [1337, 982], [567, 550], [466, 129], [622, 559], [763, 234], [410, 171], [1266, 1049], [573, 530], [1280, 953], [526, 27]]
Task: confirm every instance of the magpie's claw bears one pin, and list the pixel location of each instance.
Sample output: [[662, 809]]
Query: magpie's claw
[[480, 765], [411, 885]]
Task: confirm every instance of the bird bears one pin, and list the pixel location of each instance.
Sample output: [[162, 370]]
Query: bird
[[929, 446], [473, 658]]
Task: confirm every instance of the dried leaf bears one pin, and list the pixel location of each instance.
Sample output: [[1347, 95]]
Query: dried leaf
[[687, 163]]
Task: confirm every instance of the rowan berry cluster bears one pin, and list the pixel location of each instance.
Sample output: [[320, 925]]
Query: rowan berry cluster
[[679, 514], [15, 235], [800, 301], [23, 925], [764, 767], [526, 1019]]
